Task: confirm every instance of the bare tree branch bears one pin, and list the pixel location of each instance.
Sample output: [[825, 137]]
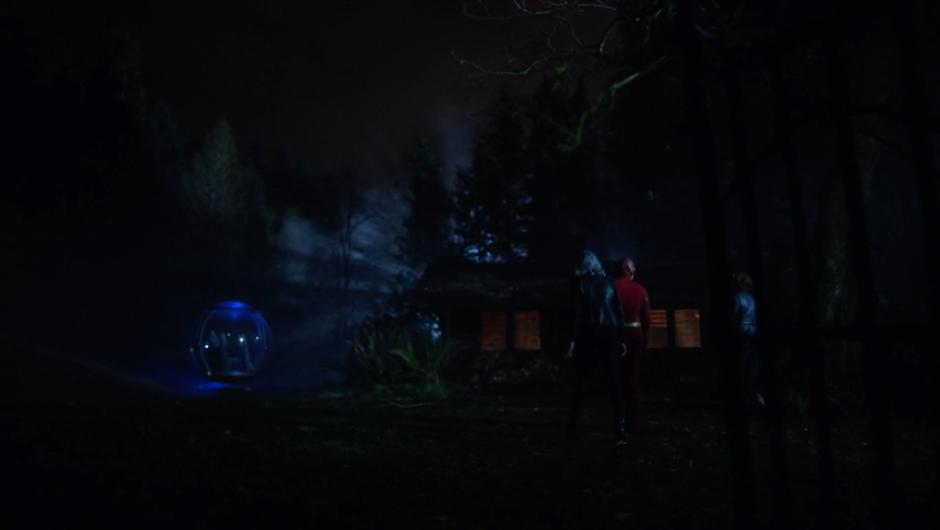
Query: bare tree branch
[[572, 32], [484, 13], [489, 71], [562, 13], [580, 5], [553, 8], [549, 44], [602, 45], [614, 88], [522, 6]]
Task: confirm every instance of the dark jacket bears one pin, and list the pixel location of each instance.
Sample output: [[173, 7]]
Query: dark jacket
[[596, 306]]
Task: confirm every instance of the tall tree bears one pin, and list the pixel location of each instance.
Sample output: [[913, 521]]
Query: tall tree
[[860, 248], [492, 195], [216, 188], [226, 209], [911, 70], [720, 332], [428, 224], [812, 353], [350, 217], [561, 154]]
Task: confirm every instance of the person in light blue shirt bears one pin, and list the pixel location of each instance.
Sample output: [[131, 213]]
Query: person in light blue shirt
[[745, 320], [745, 307]]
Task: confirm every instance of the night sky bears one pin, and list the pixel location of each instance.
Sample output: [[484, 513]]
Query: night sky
[[338, 84]]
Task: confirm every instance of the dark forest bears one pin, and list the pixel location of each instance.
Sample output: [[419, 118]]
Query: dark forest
[[397, 264]]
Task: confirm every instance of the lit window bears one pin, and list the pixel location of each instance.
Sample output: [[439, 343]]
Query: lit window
[[492, 330], [659, 329], [688, 328], [527, 336]]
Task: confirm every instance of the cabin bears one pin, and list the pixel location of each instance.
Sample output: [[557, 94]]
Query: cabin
[[521, 310]]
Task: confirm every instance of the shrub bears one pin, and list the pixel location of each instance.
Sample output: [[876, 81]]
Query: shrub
[[394, 359], [426, 363], [372, 352]]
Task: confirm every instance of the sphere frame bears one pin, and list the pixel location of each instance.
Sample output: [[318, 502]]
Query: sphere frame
[[231, 342]]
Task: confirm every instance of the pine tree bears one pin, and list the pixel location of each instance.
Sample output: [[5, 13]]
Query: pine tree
[[563, 178], [214, 186], [225, 207], [428, 225], [492, 195]]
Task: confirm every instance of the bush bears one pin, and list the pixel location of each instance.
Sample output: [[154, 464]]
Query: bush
[[397, 361], [372, 349], [426, 363]]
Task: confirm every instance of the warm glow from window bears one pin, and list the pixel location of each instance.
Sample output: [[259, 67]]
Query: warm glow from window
[[688, 328], [527, 336], [492, 330], [659, 329]]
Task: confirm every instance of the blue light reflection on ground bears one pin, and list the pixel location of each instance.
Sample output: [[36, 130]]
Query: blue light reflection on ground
[[169, 373], [218, 386], [184, 382]]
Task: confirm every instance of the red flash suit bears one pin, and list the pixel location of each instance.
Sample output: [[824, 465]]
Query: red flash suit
[[636, 321]]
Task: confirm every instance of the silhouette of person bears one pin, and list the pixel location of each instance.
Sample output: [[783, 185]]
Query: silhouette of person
[[636, 324], [596, 340], [745, 321], [244, 352]]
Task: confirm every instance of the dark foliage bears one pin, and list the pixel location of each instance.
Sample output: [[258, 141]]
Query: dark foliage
[[493, 194], [428, 225]]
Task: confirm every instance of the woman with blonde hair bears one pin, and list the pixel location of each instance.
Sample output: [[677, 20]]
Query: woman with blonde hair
[[596, 339]]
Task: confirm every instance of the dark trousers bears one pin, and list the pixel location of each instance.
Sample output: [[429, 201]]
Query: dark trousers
[[633, 338], [598, 350], [751, 367]]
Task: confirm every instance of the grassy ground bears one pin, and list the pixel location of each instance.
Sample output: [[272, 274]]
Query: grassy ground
[[91, 450]]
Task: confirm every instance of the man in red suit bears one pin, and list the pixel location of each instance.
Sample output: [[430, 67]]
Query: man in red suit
[[636, 323]]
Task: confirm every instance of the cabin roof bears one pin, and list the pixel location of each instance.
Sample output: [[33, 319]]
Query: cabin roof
[[466, 283]]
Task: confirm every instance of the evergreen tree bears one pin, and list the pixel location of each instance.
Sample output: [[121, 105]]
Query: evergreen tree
[[493, 198], [216, 189], [563, 177], [428, 224], [226, 211]]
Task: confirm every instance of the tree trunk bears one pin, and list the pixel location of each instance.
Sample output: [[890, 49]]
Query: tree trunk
[[910, 72], [719, 332], [743, 176], [874, 355], [806, 342]]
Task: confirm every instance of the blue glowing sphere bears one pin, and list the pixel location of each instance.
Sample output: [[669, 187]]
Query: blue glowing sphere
[[232, 341]]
